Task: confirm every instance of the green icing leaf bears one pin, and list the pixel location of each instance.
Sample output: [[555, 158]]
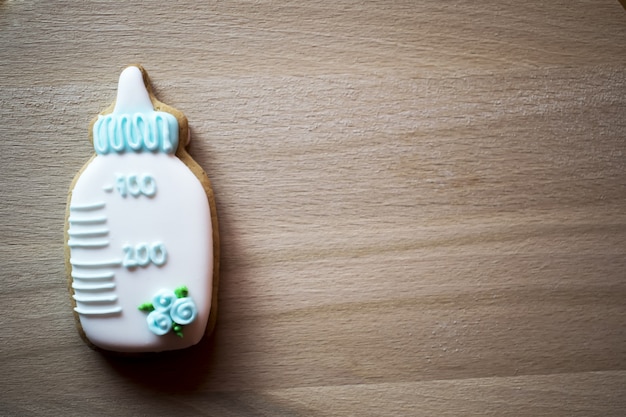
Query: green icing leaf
[[148, 307], [181, 291]]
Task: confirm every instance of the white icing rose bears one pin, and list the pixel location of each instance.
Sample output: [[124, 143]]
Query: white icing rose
[[183, 311]]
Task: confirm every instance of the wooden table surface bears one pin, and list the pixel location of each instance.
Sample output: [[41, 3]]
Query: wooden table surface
[[422, 204]]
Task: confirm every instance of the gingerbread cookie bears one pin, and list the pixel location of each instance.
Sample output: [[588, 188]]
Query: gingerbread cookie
[[142, 250]]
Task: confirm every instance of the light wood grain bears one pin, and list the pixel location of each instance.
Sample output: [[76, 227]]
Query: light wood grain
[[422, 204]]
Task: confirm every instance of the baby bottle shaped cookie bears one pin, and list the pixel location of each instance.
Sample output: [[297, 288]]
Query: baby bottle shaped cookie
[[141, 238]]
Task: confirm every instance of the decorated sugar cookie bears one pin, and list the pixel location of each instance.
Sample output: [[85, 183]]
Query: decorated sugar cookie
[[141, 231]]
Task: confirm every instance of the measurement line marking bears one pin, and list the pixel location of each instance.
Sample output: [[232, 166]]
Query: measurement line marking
[[93, 287], [81, 264], [98, 244], [101, 299], [104, 275], [88, 220], [108, 188], [99, 312], [88, 207], [88, 233]]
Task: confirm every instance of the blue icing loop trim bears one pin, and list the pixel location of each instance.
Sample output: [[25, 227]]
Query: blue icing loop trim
[[140, 132]]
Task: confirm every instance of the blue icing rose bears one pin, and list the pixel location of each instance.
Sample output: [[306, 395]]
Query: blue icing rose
[[183, 311], [159, 323], [163, 300]]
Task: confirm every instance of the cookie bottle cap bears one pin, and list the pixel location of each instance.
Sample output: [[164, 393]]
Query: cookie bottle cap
[[134, 126]]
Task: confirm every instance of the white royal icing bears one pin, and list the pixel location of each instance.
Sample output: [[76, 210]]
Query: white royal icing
[[139, 224]]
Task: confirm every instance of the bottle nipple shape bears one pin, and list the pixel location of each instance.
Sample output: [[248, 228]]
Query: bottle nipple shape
[[141, 230], [132, 95]]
